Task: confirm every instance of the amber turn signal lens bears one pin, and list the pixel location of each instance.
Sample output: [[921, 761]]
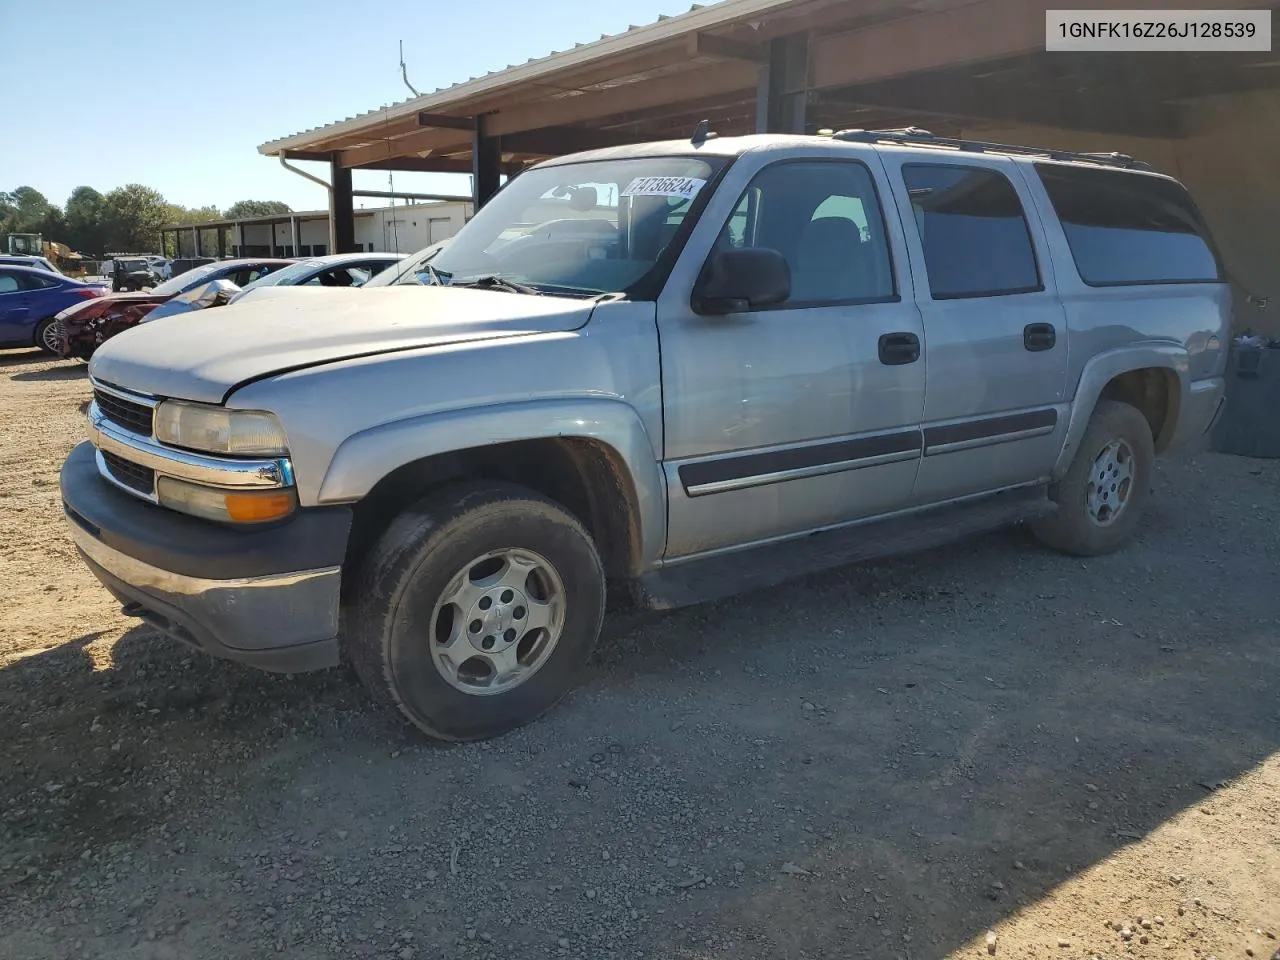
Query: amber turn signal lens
[[258, 507], [223, 505]]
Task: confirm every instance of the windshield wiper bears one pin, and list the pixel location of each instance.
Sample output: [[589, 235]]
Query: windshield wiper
[[498, 283]]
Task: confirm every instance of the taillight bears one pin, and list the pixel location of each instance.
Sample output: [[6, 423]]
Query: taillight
[[90, 293]]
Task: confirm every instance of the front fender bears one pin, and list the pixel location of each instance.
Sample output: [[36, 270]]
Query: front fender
[[1101, 369], [366, 457]]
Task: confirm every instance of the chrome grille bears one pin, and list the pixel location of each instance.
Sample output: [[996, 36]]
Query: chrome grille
[[132, 475], [134, 417]]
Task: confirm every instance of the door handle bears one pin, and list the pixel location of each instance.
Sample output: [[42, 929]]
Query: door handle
[[899, 348], [1039, 336]]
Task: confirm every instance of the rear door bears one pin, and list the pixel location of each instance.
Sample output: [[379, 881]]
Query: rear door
[[788, 419], [994, 326]]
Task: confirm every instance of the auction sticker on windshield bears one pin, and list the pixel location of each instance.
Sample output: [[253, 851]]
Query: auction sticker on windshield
[[686, 187]]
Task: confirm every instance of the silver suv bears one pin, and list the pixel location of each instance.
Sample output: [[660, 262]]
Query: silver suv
[[660, 373]]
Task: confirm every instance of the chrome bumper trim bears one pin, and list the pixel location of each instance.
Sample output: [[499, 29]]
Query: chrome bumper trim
[[183, 465], [247, 614]]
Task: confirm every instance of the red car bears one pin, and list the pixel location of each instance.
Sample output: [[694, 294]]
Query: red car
[[85, 327]]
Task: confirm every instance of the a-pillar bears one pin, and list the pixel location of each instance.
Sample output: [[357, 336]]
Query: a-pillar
[[342, 214], [486, 164], [783, 89]]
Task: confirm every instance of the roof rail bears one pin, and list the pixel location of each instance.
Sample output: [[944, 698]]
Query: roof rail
[[917, 136]]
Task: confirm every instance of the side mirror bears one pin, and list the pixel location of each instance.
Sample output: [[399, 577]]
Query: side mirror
[[734, 281]]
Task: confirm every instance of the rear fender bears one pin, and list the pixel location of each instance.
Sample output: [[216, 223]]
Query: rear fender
[[1101, 369], [366, 457]]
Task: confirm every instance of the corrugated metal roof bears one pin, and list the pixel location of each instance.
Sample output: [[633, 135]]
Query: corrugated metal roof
[[698, 17]]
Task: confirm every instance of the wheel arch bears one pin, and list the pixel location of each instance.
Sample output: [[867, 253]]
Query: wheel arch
[[594, 457], [1154, 377]]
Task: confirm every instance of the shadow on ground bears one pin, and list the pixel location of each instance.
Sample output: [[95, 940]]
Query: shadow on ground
[[71, 370], [22, 357], [851, 765]]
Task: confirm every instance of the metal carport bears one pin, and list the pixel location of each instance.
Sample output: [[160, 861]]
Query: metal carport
[[958, 67]]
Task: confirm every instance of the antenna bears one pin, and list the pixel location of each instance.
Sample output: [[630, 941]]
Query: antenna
[[404, 72], [702, 132]]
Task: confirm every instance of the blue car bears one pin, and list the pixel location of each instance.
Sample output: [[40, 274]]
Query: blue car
[[30, 300]]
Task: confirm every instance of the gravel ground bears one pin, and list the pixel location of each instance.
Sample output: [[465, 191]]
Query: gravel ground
[[985, 744]]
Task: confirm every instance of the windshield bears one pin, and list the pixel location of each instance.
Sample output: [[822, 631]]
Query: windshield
[[185, 281], [287, 277], [577, 229]]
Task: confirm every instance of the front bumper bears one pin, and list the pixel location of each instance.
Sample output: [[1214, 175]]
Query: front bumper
[[265, 597]]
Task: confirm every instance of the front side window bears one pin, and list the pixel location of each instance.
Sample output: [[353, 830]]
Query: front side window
[[1129, 228], [577, 229], [974, 232], [824, 217]]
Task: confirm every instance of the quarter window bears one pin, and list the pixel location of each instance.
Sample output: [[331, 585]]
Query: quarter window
[[1129, 228], [824, 218], [8, 283], [973, 230]]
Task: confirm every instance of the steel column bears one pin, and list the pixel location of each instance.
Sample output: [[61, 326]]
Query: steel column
[[342, 214], [486, 163], [222, 244], [786, 85], [195, 233]]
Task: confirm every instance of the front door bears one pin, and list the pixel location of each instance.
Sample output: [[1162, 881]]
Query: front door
[[994, 325], [15, 309], [804, 415]]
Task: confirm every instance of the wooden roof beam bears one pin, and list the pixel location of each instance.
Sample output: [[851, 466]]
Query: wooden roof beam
[[671, 89], [415, 144], [975, 32]]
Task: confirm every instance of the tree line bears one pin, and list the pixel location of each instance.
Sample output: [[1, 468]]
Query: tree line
[[126, 219]]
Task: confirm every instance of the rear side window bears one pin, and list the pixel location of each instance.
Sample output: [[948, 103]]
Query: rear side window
[[973, 230], [1127, 228]]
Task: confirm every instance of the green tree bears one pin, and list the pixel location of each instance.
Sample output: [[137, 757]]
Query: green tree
[[87, 228], [25, 210], [134, 215], [244, 209]]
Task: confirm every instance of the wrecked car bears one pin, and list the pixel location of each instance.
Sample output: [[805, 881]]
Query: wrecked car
[[85, 327]]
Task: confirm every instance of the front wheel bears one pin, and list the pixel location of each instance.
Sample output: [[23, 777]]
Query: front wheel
[[1104, 493], [47, 337], [476, 610]]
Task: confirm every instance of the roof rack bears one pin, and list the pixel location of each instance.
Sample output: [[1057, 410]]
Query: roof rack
[[917, 136]]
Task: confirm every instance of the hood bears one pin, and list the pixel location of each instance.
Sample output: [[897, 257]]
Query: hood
[[203, 355]]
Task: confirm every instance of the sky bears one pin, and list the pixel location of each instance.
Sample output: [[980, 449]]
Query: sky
[[178, 96]]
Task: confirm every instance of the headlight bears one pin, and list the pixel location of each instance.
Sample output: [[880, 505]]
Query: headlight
[[198, 426], [226, 506]]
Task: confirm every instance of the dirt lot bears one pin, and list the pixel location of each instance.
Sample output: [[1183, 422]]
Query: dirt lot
[[884, 761]]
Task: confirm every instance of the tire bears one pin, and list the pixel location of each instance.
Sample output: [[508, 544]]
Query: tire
[[43, 328], [1098, 518], [401, 629]]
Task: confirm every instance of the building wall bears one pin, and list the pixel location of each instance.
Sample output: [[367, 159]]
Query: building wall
[[1229, 163], [403, 229], [409, 228]]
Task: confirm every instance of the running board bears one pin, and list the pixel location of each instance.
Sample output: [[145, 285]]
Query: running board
[[723, 575]]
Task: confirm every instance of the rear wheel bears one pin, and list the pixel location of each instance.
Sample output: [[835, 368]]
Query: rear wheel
[[477, 610], [47, 337], [1104, 492]]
